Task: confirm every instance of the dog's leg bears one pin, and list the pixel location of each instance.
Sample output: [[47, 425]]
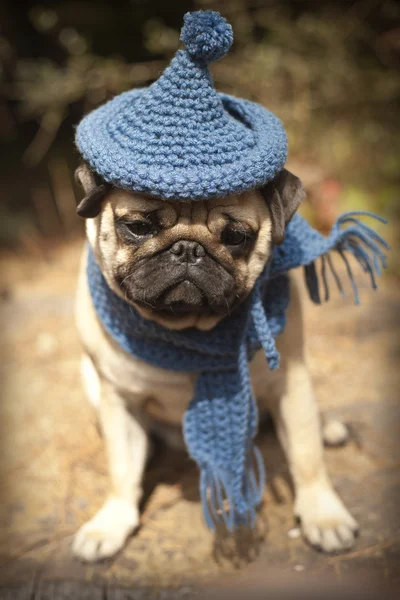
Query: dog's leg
[[325, 521], [126, 445]]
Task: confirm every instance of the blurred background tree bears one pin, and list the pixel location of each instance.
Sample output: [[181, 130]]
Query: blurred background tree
[[329, 70]]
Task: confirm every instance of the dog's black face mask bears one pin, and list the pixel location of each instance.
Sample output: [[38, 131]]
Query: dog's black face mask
[[186, 264], [183, 279]]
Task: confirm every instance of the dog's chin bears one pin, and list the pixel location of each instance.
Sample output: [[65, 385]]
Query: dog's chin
[[183, 305]]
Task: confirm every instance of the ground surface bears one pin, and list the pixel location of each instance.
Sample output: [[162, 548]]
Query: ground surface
[[52, 463]]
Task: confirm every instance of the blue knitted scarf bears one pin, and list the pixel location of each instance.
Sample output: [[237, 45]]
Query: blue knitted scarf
[[221, 420]]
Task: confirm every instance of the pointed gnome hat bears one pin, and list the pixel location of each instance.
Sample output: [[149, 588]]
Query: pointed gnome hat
[[179, 138]]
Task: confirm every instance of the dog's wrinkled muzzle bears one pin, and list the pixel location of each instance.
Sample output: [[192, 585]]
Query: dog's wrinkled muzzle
[[183, 279]]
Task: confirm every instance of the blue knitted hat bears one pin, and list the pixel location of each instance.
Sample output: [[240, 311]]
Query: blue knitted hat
[[179, 138]]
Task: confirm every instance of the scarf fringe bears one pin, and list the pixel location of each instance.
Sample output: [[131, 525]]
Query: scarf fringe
[[358, 240], [217, 495]]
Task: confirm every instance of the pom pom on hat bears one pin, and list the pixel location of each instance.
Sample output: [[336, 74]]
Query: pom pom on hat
[[206, 35]]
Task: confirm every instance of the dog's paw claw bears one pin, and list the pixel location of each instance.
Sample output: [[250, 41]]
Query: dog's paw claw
[[91, 545], [330, 539], [104, 535], [326, 523]]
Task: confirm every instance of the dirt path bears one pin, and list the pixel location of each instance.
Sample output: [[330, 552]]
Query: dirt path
[[52, 464]]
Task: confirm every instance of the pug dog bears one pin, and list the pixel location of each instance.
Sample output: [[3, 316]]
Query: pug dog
[[189, 265]]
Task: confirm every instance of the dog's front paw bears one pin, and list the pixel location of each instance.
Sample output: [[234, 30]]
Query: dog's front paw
[[105, 534], [326, 523]]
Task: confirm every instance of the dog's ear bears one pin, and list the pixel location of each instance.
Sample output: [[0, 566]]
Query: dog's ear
[[94, 189], [283, 195]]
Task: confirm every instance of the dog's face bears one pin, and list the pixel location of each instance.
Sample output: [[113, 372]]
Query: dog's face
[[181, 264]]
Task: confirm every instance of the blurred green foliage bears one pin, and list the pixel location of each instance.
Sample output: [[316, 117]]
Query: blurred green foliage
[[329, 69]]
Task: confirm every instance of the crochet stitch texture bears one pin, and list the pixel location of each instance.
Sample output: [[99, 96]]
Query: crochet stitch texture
[[179, 138], [221, 421]]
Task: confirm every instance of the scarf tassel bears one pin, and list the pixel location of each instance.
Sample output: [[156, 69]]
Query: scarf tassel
[[358, 240], [221, 506]]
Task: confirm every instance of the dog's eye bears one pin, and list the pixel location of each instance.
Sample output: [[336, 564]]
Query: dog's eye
[[233, 237], [140, 227]]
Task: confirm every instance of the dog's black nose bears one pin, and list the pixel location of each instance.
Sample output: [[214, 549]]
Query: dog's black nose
[[187, 251]]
